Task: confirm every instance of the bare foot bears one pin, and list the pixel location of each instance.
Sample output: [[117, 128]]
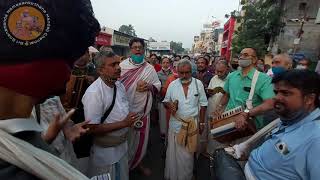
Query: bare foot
[[145, 171]]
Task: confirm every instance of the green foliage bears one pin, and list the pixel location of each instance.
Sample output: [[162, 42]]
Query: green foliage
[[128, 29], [176, 47], [260, 25]]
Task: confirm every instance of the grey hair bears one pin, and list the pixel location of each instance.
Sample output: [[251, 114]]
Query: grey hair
[[286, 57], [184, 62], [100, 57], [223, 62]]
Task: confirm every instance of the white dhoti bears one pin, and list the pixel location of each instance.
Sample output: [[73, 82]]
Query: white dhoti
[[117, 171], [162, 118], [179, 162]]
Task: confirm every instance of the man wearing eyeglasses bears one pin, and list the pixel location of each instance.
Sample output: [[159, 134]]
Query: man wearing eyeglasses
[[141, 82], [238, 86]]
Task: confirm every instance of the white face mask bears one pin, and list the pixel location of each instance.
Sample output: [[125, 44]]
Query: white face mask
[[244, 62], [301, 67]]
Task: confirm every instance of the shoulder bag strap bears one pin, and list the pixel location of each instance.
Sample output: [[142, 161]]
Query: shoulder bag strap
[[106, 114], [38, 112], [253, 86], [198, 93]]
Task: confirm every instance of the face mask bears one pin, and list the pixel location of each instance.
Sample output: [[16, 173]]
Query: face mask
[[235, 66], [244, 62], [278, 70], [138, 59], [261, 67], [301, 67], [223, 77]]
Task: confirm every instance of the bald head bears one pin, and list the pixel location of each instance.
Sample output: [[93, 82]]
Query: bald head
[[282, 60]]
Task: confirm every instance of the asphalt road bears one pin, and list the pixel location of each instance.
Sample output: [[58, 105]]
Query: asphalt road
[[153, 158]]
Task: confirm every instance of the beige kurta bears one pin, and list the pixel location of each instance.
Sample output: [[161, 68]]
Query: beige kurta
[[215, 99]]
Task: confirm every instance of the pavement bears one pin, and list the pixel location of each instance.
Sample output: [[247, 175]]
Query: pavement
[[153, 158]]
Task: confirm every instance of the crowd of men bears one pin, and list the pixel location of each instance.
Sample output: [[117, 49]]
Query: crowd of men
[[111, 101]]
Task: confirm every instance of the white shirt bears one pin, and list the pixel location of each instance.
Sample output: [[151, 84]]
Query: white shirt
[[96, 100], [187, 107], [215, 99]]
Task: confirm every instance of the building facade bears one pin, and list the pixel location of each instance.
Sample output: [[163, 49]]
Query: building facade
[[228, 28], [300, 36]]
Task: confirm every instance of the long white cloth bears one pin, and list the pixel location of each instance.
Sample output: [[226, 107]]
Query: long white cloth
[[139, 102], [35, 161], [162, 118], [117, 171], [179, 162]]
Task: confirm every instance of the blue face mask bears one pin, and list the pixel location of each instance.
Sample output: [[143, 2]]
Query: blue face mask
[[278, 70], [137, 58]]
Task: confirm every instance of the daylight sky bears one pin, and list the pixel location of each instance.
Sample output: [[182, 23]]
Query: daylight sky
[[176, 20]]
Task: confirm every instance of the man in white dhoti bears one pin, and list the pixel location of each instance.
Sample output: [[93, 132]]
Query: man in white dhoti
[[141, 82], [106, 94], [187, 102]]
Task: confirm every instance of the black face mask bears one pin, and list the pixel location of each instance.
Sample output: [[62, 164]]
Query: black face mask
[[235, 66], [223, 77]]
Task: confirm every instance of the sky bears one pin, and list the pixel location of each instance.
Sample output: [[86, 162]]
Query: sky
[[163, 20]]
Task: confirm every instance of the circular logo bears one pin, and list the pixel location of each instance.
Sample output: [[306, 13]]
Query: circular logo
[[26, 23]]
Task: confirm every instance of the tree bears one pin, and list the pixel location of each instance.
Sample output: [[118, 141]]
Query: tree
[[176, 47], [128, 29], [259, 26]]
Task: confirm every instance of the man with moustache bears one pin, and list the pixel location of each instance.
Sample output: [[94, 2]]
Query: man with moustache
[[238, 86], [186, 100], [109, 150], [291, 151], [217, 82], [203, 74]]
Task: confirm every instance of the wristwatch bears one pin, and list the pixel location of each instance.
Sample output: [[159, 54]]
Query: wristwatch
[[247, 111]]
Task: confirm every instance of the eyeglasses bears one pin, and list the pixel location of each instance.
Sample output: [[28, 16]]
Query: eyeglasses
[[137, 47], [184, 72], [245, 55]]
